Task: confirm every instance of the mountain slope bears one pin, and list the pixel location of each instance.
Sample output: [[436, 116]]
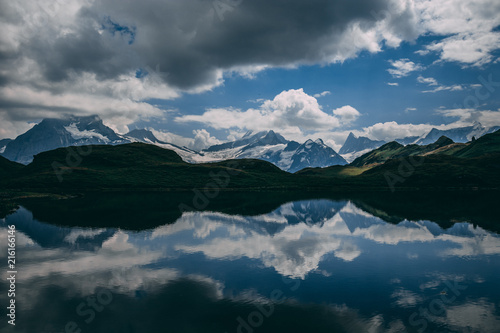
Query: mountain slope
[[145, 167], [487, 144], [251, 139], [460, 135], [3, 144], [393, 150], [142, 166], [356, 146], [314, 154], [8, 169], [145, 136], [55, 133]]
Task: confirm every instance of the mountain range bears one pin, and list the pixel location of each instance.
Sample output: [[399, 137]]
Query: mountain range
[[146, 167], [459, 135], [268, 146]]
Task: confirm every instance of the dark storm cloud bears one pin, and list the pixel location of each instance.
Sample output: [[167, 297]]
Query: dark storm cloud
[[190, 42]]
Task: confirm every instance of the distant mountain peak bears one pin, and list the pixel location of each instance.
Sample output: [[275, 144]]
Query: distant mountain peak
[[477, 125], [143, 135], [444, 141], [319, 142], [52, 133], [351, 136], [459, 134], [354, 145]]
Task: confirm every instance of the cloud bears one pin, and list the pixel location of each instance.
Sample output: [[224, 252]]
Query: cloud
[[468, 28], [324, 93], [203, 139], [403, 67], [394, 84], [433, 82], [291, 111], [173, 138], [347, 114], [455, 87], [408, 110], [108, 57], [429, 80], [487, 118]]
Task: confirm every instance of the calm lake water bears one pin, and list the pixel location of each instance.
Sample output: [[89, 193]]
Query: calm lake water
[[307, 266]]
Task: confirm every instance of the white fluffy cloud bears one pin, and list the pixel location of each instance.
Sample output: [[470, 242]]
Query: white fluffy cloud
[[468, 116], [347, 114], [403, 67], [290, 111], [467, 25], [100, 56], [203, 139]]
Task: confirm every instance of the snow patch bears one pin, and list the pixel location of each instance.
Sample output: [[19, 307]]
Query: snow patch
[[77, 134], [352, 156]]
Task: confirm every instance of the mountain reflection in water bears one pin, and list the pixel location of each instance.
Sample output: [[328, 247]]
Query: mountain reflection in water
[[312, 265]]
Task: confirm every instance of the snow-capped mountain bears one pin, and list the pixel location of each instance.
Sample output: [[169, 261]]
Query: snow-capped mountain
[[269, 146], [264, 145], [272, 147], [250, 140], [460, 135], [145, 136], [356, 146], [56, 133], [315, 154]]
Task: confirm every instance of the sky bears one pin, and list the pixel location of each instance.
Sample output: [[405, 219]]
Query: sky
[[202, 72]]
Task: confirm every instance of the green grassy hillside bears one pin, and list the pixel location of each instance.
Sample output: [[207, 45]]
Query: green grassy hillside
[[487, 144], [8, 169], [395, 150], [142, 167]]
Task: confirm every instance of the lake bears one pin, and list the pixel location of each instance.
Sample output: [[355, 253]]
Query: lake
[[309, 265]]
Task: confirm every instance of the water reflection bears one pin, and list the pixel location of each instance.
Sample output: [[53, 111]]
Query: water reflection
[[334, 266]]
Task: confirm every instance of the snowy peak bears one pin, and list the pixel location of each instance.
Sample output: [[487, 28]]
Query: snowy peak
[[272, 138], [263, 138], [356, 146], [319, 142], [460, 135], [314, 154], [351, 137], [51, 133], [143, 135], [272, 147]]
